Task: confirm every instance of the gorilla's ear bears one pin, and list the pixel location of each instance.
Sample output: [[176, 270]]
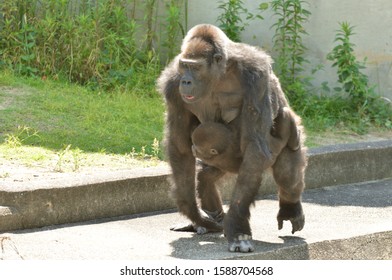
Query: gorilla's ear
[[218, 57], [213, 152]]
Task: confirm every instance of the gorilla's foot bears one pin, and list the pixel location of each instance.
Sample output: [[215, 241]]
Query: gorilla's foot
[[190, 227], [243, 243], [215, 219], [291, 212], [187, 227], [217, 216]]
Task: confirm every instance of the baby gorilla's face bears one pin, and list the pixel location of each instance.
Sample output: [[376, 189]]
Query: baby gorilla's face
[[203, 153]]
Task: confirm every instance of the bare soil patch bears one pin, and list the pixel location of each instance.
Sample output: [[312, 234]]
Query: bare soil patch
[[8, 96]]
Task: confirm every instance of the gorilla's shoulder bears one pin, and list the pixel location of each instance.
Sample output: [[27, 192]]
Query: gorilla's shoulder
[[250, 58]]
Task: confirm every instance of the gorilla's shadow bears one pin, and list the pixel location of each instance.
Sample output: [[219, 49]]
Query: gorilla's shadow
[[368, 194], [214, 246]]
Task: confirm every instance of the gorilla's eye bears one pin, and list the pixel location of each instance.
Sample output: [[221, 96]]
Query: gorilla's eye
[[184, 65], [218, 57], [213, 152], [194, 67]]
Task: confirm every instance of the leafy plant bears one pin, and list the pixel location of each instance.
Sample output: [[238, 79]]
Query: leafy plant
[[22, 134], [353, 81], [156, 148], [61, 159], [68, 158], [27, 39], [230, 20], [289, 30], [364, 100], [174, 28], [17, 42], [144, 155], [89, 42], [149, 19]]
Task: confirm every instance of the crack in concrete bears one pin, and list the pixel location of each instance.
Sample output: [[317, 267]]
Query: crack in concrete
[[3, 242]]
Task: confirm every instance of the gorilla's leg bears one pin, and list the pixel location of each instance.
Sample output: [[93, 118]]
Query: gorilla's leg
[[288, 172], [236, 223], [210, 199], [286, 131], [211, 203], [209, 195]]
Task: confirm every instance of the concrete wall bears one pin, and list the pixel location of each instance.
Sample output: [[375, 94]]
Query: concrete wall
[[373, 39]]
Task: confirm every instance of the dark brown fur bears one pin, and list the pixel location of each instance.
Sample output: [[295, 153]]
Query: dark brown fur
[[216, 80], [216, 145]]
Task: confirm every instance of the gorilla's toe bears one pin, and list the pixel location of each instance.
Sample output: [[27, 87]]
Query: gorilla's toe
[[242, 244]]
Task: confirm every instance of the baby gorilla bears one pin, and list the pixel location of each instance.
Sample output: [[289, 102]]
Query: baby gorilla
[[216, 145]]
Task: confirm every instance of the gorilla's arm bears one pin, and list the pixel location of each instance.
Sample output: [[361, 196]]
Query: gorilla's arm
[[257, 115], [256, 124], [180, 123]]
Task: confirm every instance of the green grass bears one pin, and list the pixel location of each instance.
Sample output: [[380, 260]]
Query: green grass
[[58, 114], [64, 127]]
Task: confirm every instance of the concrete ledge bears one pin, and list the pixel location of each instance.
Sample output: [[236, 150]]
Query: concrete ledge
[[366, 247], [349, 163], [41, 203], [342, 222]]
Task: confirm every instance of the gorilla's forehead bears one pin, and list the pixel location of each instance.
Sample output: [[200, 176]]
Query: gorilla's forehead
[[198, 48]]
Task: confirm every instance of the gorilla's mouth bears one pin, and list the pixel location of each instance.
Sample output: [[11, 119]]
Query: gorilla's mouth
[[197, 154], [189, 98]]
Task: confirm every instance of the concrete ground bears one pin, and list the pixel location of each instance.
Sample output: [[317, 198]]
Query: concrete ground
[[351, 221], [78, 197]]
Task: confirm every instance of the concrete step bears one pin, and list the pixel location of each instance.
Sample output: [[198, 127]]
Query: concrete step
[[352, 221], [82, 197]]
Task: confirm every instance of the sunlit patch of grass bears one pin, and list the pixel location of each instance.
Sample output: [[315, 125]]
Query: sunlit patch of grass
[[62, 114], [71, 159]]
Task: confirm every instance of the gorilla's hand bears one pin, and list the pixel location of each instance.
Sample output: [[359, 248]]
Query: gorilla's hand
[[291, 212]]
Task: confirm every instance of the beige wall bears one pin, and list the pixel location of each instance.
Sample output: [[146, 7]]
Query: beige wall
[[373, 39]]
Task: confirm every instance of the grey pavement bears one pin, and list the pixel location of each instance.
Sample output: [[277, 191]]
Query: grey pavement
[[352, 221], [78, 197]]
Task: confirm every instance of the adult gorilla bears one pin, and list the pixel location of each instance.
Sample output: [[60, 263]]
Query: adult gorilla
[[216, 80]]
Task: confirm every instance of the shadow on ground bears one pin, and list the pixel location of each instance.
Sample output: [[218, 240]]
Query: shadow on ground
[[213, 244], [351, 195]]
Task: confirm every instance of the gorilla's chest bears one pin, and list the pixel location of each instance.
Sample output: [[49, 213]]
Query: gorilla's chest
[[223, 103], [217, 107]]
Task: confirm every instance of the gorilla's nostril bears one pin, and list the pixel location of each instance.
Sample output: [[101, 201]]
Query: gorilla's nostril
[[186, 82]]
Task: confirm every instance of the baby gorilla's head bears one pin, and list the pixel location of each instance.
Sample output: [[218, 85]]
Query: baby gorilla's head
[[210, 139]]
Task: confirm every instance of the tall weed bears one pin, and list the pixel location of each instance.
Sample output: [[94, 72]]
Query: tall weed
[[88, 42], [174, 28], [289, 30], [364, 102], [231, 19]]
